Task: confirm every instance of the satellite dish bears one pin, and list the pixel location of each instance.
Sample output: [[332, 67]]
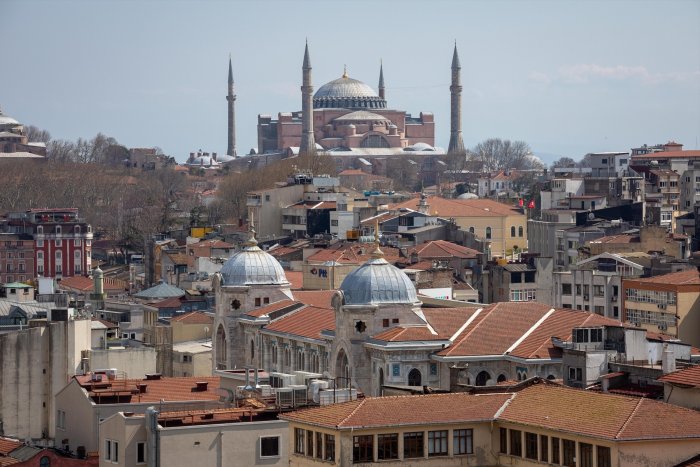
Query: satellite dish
[[591, 216]]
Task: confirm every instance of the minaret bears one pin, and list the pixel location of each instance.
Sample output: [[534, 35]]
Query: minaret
[[231, 98], [456, 144], [381, 81], [308, 144]]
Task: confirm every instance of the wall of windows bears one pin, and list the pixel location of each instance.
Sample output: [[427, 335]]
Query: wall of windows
[[526, 295], [561, 451], [650, 296]]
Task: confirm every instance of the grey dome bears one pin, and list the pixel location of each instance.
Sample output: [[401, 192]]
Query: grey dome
[[376, 282], [253, 266], [347, 93]]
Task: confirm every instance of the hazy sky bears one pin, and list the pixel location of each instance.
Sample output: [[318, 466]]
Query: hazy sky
[[566, 77]]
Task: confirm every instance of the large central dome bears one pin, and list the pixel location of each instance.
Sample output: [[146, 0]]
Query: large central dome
[[253, 266], [378, 281], [347, 93]]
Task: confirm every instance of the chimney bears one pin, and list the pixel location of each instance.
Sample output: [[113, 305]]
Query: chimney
[[213, 155], [668, 361], [247, 387], [201, 386], [257, 383]]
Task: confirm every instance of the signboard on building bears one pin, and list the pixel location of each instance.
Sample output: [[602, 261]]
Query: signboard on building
[[444, 293]]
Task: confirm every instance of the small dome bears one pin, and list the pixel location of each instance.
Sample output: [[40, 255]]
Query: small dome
[[253, 266], [9, 121], [347, 93], [377, 282]]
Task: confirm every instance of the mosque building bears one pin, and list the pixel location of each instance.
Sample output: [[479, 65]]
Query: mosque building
[[374, 331], [14, 141]]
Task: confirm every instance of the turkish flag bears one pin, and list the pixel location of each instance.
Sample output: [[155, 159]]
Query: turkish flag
[[521, 202], [531, 204]]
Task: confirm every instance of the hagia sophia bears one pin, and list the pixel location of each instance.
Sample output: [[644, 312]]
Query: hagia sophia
[[345, 118]]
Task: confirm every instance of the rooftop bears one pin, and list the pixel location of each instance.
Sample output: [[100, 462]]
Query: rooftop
[[192, 317], [163, 389], [308, 321], [461, 207], [443, 249], [687, 377], [687, 277]]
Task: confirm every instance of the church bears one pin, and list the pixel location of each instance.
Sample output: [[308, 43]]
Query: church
[[374, 331]]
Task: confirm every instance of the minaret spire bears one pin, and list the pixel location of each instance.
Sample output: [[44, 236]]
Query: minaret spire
[[382, 91], [456, 146], [231, 99], [307, 145]]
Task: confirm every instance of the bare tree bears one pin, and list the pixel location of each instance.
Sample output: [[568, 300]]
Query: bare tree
[[36, 134], [563, 162], [498, 154]]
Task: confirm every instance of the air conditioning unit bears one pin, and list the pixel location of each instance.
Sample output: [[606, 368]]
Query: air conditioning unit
[[281, 380], [304, 377]]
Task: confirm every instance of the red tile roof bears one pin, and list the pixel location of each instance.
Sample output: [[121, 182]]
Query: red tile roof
[[267, 309], [527, 324], [215, 243], [306, 322], [317, 298], [687, 277], [167, 389], [408, 334], [443, 249], [172, 302], [351, 253], [193, 317], [86, 284], [666, 155], [459, 208], [687, 377], [295, 278], [600, 415], [624, 238], [8, 445], [403, 410]]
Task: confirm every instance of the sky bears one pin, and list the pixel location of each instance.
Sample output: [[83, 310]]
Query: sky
[[566, 77]]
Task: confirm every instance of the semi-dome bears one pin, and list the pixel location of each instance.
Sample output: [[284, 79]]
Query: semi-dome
[[6, 120], [253, 266], [347, 93], [376, 282]]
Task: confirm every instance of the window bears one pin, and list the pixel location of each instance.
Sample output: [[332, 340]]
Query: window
[[319, 445], [503, 441], [385, 323], [520, 231], [463, 441], [257, 301], [531, 445], [61, 419], [488, 233], [330, 447], [298, 441], [362, 448], [140, 453], [267, 197], [603, 456], [334, 223], [413, 444], [437, 443], [108, 449], [566, 289], [586, 454], [555, 450], [433, 369], [309, 443], [269, 446], [388, 446], [516, 443], [45, 462], [544, 448], [512, 231], [57, 243], [569, 455]]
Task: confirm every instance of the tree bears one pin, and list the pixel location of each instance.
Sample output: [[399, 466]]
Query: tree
[[37, 135], [497, 154], [564, 162]]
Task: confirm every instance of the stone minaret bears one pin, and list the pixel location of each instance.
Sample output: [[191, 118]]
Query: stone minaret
[[231, 98], [308, 144], [456, 144], [382, 94]]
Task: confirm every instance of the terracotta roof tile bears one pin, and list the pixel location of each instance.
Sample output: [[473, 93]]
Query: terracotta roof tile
[[172, 302], [443, 249], [8, 445], [267, 309], [459, 208], [295, 278], [447, 321], [317, 298], [600, 415], [193, 317], [666, 155], [168, 389], [306, 322], [86, 284], [407, 334], [687, 277], [687, 377], [403, 410]]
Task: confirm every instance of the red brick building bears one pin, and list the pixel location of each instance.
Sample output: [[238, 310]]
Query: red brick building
[[61, 241], [16, 257]]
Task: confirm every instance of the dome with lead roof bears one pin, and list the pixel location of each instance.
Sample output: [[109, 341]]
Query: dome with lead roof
[[253, 266], [377, 282], [347, 93]]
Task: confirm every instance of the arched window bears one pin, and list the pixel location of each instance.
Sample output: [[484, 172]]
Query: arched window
[[40, 229], [414, 377], [381, 382], [221, 343], [45, 462], [252, 350], [520, 231], [471, 229], [77, 229], [374, 141], [58, 229], [512, 231], [342, 370], [488, 233], [501, 378], [482, 378]]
